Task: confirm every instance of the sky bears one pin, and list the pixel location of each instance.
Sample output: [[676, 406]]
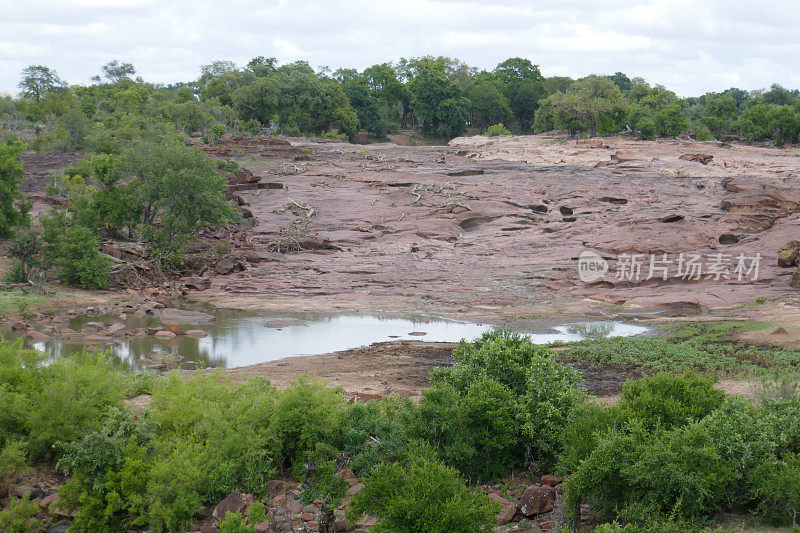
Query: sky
[[690, 46]]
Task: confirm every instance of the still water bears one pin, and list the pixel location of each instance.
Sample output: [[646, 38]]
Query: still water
[[236, 339]]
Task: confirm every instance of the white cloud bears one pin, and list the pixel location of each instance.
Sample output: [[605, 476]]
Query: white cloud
[[690, 46]]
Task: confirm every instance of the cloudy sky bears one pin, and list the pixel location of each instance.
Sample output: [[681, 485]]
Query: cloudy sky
[[691, 46]]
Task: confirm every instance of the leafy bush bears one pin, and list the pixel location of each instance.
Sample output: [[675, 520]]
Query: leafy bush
[[13, 205], [18, 517], [422, 495], [305, 414], [497, 130], [775, 487], [377, 432], [73, 251], [666, 401]]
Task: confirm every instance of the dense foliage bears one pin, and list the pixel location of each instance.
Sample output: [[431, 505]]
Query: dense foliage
[[673, 448]]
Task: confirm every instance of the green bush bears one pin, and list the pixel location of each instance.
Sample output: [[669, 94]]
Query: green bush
[[477, 430], [585, 425], [19, 516], [305, 414], [422, 496], [377, 432], [666, 401], [234, 523], [13, 205], [73, 251], [497, 130], [776, 489]]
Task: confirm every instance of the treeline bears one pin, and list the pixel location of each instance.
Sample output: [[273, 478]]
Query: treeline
[[441, 97]]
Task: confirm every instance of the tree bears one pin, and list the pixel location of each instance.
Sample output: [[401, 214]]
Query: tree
[[116, 71], [488, 104], [594, 104], [38, 80], [719, 113], [367, 109], [73, 251], [179, 190], [13, 205], [523, 84], [437, 101], [258, 101], [262, 66]]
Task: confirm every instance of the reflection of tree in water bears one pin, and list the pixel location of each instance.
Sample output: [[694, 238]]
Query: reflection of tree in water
[[591, 330]]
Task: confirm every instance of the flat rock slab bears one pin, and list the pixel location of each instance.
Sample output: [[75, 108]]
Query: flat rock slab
[[182, 316]]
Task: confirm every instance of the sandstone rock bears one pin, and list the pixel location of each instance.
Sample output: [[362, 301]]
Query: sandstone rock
[[196, 283], [308, 517], [276, 486], [37, 336], [165, 335], [22, 490], [339, 526], [235, 502], [697, 158], [174, 328], [548, 525], [591, 143], [551, 480], [507, 509], [294, 506], [536, 500], [279, 500], [263, 527], [789, 254], [93, 327], [225, 266], [794, 281], [196, 333], [19, 326], [621, 156], [153, 330], [117, 327]]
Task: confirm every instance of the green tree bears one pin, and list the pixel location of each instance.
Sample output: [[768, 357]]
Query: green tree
[[14, 206], [488, 104], [523, 85], [593, 104], [116, 71], [179, 190], [38, 80], [719, 113], [437, 101], [73, 251], [367, 108], [258, 100]]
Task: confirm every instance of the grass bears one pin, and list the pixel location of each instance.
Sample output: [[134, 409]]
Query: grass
[[16, 301], [707, 347]]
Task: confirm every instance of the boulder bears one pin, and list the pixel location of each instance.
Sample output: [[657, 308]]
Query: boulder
[[536, 500], [37, 336], [235, 502], [164, 335], [550, 480], [794, 281], [93, 327], [697, 158], [21, 490], [276, 486], [174, 328], [225, 266], [507, 509], [196, 333], [19, 326], [789, 254], [116, 328], [196, 283]]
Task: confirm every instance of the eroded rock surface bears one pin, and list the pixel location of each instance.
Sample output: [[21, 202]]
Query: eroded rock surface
[[488, 224]]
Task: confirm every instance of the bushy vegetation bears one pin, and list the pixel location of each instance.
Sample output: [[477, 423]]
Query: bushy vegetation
[[673, 450], [497, 130], [676, 448]]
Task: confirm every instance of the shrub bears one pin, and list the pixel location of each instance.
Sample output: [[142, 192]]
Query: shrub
[[74, 253], [497, 130], [422, 495], [13, 206], [257, 512], [234, 523], [664, 400], [19, 516], [377, 432], [477, 430], [775, 487], [585, 425], [305, 414]]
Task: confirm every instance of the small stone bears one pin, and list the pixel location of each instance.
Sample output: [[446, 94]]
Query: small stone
[[165, 335], [536, 500], [196, 333], [550, 524], [174, 328], [308, 517], [339, 526], [279, 500], [235, 502]]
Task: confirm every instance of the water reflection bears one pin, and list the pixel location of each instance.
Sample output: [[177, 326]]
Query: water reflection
[[237, 339]]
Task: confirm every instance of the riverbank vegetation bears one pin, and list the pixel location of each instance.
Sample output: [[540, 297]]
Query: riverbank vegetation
[[673, 450]]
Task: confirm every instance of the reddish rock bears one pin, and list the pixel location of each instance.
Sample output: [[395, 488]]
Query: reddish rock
[[164, 335], [697, 158], [235, 502], [339, 526], [536, 500], [196, 283], [550, 480], [174, 328], [294, 506], [263, 527], [93, 327], [794, 281], [19, 326], [276, 486], [308, 517], [549, 524], [507, 509], [196, 333]]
